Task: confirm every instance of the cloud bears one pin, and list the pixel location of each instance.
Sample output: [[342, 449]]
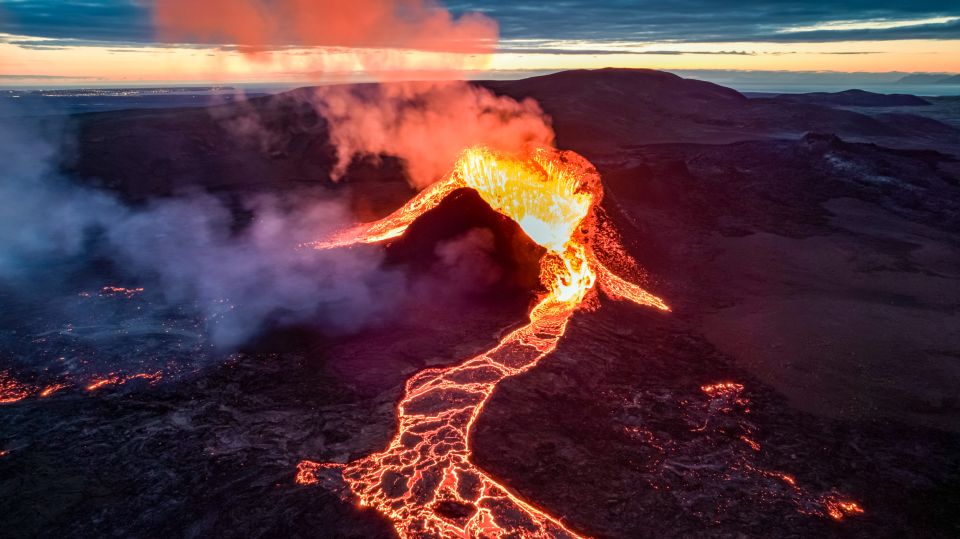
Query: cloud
[[715, 20], [88, 20], [259, 25], [613, 51], [427, 124], [12, 77], [190, 251], [591, 20]]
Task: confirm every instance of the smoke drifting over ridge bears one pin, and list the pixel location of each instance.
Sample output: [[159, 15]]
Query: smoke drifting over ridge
[[425, 124], [257, 26], [188, 248]]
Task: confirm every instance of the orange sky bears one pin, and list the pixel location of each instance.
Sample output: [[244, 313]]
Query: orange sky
[[102, 64]]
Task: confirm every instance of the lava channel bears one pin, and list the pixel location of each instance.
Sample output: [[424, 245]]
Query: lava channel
[[424, 481]]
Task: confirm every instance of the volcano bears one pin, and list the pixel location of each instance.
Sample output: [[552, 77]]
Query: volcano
[[427, 467], [801, 382]]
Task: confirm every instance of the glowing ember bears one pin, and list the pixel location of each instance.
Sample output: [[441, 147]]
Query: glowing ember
[[752, 443], [120, 291], [4, 453], [51, 389], [823, 505], [307, 471], [113, 379], [98, 383], [722, 389], [838, 509], [424, 481], [725, 394], [11, 390]]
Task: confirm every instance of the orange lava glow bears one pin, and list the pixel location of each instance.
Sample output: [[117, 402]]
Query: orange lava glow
[[11, 390], [752, 443], [424, 480], [51, 389], [307, 471], [120, 291], [838, 509], [819, 505], [722, 389], [113, 379]]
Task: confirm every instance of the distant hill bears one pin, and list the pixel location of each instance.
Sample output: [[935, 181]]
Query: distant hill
[[855, 98], [605, 109], [596, 113], [930, 78]]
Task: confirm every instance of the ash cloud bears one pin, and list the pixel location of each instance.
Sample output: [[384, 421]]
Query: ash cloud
[[424, 124], [427, 124], [242, 278], [188, 250], [256, 276], [257, 26]]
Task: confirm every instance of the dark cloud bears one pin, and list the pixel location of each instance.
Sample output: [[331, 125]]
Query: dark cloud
[[82, 20], [709, 20], [129, 21]]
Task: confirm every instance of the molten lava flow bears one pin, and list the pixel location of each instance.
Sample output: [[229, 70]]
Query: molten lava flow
[[424, 480], [113, 379], [838, 509], [11, 390], [727, 396], [51, 389], [120, 291]]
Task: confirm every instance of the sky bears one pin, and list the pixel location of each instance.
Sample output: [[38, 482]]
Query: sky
[[119, 41]]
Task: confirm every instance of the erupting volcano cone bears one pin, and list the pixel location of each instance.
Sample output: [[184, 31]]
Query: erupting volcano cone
[[424, 481]]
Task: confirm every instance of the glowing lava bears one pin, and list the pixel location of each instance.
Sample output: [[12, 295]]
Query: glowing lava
[[113, 379], [51, 389], [424, 481], [11, 390], [120, 291]]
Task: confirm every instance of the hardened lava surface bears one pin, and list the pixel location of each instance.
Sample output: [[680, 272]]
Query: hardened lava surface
[[810, 358], [628, 429]]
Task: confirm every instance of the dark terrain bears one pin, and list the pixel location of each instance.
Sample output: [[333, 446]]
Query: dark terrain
[[855, 98], [809, 252]]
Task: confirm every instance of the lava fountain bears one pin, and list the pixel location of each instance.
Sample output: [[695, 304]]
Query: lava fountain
[[424, 481]]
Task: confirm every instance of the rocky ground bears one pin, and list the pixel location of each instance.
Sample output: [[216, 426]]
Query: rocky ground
[[811, 356]]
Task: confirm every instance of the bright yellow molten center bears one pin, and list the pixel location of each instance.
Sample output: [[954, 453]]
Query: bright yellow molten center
[[544, 193], [545, 200]]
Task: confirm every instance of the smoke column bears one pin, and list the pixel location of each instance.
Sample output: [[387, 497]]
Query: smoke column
[[424, 124], [188, 249]]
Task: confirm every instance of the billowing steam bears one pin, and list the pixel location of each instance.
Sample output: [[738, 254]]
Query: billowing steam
[[425, 124], [243, 276], [190, 248], [263, 25]]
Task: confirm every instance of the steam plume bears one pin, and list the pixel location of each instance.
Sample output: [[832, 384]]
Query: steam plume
[[188, 248], [425, 124], [382, 33]]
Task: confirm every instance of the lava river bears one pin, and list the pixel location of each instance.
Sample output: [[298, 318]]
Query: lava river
[[424, 481]]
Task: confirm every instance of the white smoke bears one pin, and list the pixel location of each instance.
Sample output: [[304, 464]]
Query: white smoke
[[240, 279], [427, 124]]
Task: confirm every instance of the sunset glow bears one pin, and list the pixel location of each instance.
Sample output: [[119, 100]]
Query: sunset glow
[[105, 42], [99, 65]]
